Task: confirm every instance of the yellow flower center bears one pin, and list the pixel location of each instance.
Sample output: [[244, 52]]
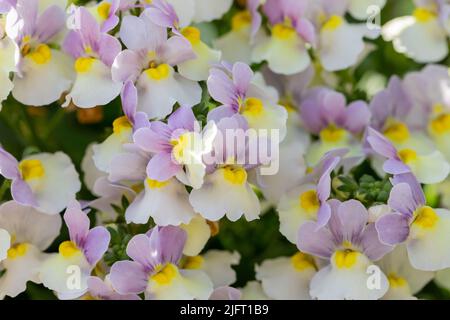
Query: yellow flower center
[[19, 250], [423, 15], [283, 31], [31, 169], [165, 274], [241, 20], [302, 261], [235, 175], [193, 262], [192, 34], [397, 132], [333, 23], [345, 258], [396, 281], [426, 217], [84, 64], [309, 201], [441, 124], [408, 156], [158, 72], [68, 248], [41, 55], [332, 134], [121, 124], [252, 107], [155, 184], [180, 145], [103, 10]]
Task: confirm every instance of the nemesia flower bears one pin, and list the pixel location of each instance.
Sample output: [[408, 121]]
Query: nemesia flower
[[350, 245], [287, 277], [8, 54], [105, 14], [237, 45], [235, 89], [308, 201], [324, 113], [43, 74], [286, 50], [198, 231], [94, 52], [77, 256], [424, 229], [45, 181], [424, 35], [29, 233], [339, 43], [226, 293], [149, 63], [404, 280], [429, 167], [154, 269], [228, 175]]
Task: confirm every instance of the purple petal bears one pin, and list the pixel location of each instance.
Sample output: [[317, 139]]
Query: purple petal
[[220, 113], [108, 48], [353, 216], [88, 27], [9, 166], [318, 242], [381, 145], [129, 100], [169, 242], [73, 44], [162, 167], [306, 30], [176, 50], [127, 66], [392, 228], [128, 277], [394, 166], [128, 166], [371, 244], [182, 118], [96, 244], [357, 117], [50, 23], [401, 199], [242, 76], [140, 250], [22, 193], [324, 215], [77, 222], [225, 293], [149, 140], [220, 87]]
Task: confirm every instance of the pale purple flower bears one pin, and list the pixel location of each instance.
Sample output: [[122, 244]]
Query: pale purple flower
[[102, 290], [149, 63], [154, 268]]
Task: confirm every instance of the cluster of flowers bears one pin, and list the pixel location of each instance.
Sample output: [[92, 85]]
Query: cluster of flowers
[[183, 89]]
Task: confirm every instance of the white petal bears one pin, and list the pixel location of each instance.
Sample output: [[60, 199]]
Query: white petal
[[280, 280], [198, 69], [167, 205], [331, 283], [85, 94], [6, 86], [253, 291], [292, 216], [28, 225], [187, 285], [360, 9], [213, 199], [206, 10], [428, 249], [442, 278], [283, 56], [198, 233], [108, 149], [59, 184], [340, 48], [43, 84], [431, 168], [157, 97], [19, 271], [235, 46], [217, 264], [185, 10], [5, 243], [67, 276], [423, 42], [91, 173]]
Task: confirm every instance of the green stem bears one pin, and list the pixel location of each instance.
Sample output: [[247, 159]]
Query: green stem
[[4, 187], [53, 123], [34, 136]]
